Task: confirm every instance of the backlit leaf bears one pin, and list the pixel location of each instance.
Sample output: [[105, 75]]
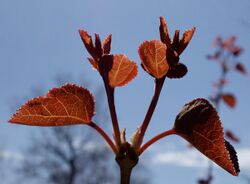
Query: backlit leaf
[[229, 99], [87, 40], [107, 44], [164, 32], [187, 36], [122, 72], [67, 105], [199, 123], [153, 58]]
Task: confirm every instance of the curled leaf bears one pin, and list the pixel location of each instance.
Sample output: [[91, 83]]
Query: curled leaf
[[153, 58], [199, 123], [229, 99], [179, 71], [67, 105]]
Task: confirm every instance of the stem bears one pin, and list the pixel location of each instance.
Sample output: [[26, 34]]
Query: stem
[[127, 160], [125, 175], [155, 139], [158, 86], [104, 135], [112, 110]]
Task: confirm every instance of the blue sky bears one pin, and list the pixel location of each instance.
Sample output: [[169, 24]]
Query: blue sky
[[39, 39]]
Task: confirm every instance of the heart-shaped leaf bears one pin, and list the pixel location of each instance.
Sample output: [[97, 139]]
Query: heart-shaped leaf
[[153, 58], [67, 105], [229, 99], [200, 125]]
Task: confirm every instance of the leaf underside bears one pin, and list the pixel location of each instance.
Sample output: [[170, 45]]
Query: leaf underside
[[67, 105], [153, 58], [122, 72], [199, 124]]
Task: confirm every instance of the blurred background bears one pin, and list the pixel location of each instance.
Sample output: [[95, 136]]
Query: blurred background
[[40, 48]]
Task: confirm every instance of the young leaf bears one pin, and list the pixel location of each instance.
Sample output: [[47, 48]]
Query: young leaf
[[229, 99], [67, 105], [187, 36], [164, 32], [122, 72], [107, 44], [87, 40], [200, 125], [179, 71], [153, 58]]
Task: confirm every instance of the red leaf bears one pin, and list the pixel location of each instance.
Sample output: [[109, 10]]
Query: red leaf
[[229, 99], [107, 44], [153, 58], [67, 105], [231, 136], [164, 32], [87, 40], [240, 68], [187, 36], [199, 124], [122, 72], [94, 63]]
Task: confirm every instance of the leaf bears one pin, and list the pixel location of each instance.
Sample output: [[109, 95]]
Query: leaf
[[122, 72], [176, 39], [179, 71], [107, 44], [153, 58], [199, 123], [240, 68], [187, 36], [229, 99], [164, 32], [94, 63], [87, 40], [98, 45], [230, 135], [67, 105]]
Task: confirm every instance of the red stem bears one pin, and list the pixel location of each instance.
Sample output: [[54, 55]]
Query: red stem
[[104, 135], [158, 86], [112, 109], [155, 139]]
